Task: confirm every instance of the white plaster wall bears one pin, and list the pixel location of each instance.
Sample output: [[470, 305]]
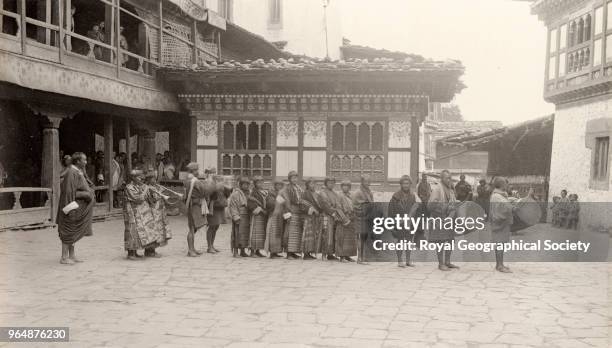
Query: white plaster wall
[[302, 25], [571, 160]]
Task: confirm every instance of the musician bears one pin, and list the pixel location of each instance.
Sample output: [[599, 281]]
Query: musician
[[295, 222], [276, 222], [346, 243], [501, 216], [257, 205], [442, 205], [463, 190], [311, 210], [364, 211], [240, 217], [330, 217], [157, 202], [141, 231], [194, 201], [404, 202], [216, 215]]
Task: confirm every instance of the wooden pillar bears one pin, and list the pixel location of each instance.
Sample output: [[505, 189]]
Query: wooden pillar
[[193, 138], [128, 148], [108, 159], [147, 141], [414, 148], [51, 165]]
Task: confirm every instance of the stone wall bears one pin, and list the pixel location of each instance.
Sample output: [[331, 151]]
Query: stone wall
[[571, 159]]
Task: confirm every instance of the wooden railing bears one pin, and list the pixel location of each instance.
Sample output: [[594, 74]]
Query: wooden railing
[[19, 216]]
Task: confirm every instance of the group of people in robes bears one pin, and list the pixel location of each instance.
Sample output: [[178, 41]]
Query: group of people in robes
[[286, 218], [298, 221]]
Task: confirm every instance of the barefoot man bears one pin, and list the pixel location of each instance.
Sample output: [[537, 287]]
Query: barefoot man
[[76, 207], [195, 199]]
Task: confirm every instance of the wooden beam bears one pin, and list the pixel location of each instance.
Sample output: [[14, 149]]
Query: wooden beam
[[414, 148], [128, 147], [193, 138], [108, 159]]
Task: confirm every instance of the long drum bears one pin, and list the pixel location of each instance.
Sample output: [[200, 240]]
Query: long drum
[[469, 209], [528, 211]]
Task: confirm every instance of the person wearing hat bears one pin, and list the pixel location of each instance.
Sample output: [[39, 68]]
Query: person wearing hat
[[295, 222], [484, 195], [257, 204], [195, 200], [502, 218], [240, 217], [216, 217], [330, 218], [311, 211], [276, 223], [362, 205], [404, 203], [140, 231], [346, 243], [157, 202], [442, 204]]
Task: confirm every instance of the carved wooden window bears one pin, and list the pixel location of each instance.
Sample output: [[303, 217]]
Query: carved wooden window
[[247, 148], [356, 149]]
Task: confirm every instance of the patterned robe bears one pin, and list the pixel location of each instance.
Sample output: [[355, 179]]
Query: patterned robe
[[312, 223], [158, 209], [441, 205], [238, 211], [276, 223], [140, 225], [346, 243], [257, 235], [330, 204], [294, 226], [73, 226]]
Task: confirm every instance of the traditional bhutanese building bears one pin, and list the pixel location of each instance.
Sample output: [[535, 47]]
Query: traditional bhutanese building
[[579, 82], [82, 75], [345, 119]]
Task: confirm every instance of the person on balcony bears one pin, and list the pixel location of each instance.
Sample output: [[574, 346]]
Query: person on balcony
[[123, 44], [76, 208], [95, 34]]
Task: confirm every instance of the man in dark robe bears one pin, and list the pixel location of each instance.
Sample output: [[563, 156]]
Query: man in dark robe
[[442, 205], [424, 189], [239, 212], [404, 202], [463, 190], [75, 207], [195, 201], [346, 243], [216, 215], [295, 223], [363, 200], [484, 195], [257, 204], [276, 221]]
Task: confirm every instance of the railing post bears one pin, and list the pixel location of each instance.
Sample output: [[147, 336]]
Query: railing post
[[23, 31], [194, 38], [118, 35], [50, 176], [161, 33], [414, 147], [17, 204]]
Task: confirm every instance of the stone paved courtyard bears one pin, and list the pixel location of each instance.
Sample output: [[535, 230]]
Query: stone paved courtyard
[[219, 301]]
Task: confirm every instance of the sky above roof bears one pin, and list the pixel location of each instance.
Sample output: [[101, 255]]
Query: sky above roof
[[500, 43]]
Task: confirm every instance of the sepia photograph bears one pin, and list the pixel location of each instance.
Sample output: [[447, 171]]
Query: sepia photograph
[[305, 173]]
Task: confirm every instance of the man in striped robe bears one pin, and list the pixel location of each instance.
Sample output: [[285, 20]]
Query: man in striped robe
[[276, 222], [257, 204], [311, 211], [330, 204], [240, 217], [346, 243], [295, 222], [362, 205]]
